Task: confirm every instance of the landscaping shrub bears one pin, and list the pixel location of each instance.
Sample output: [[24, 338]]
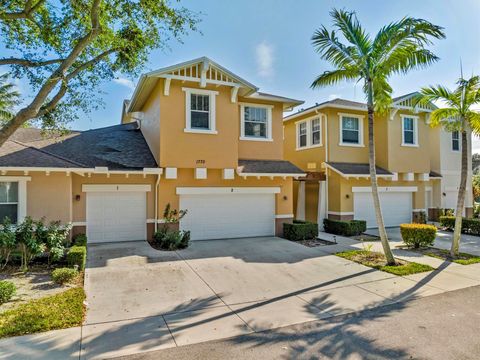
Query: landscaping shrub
[[8, 242], [77, 255], [63, 275], [54, 237], [469, 226], [345, 228], [29, 242], [300, 230], [418, 235], [80, 240], [7, 290], [170, 240]]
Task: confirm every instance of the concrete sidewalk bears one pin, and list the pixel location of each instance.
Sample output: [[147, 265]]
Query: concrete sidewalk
[[338, 290]]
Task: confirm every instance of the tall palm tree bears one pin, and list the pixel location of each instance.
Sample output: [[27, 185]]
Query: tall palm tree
[[457, 116], [397, 48], [8, 98]]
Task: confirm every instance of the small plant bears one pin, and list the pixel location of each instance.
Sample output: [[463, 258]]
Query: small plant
[[77, 255], [80, 240], [7, 291], [64, 275], [8, 242], [367, 247], [30, 245], [173, 216], [171, 239], [418, 235], [53, 236], [420, 217]]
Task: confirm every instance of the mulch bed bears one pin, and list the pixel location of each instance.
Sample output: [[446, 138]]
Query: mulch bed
[[314, 242]]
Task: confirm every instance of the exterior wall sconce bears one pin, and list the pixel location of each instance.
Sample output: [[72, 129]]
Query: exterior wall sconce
[[77, 197], [347, 196]]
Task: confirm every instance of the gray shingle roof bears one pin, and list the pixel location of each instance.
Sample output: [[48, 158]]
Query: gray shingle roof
[[268, 167], [356, 168], [119, 147], [434, 174]]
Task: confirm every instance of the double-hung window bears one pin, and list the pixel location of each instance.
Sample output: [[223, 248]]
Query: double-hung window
[[309, 133], [9, 201], [200, 110], [409, 131], [256, 122], [455, 141], [351, 130]]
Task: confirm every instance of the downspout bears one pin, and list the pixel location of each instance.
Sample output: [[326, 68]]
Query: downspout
[[326, 169], [157, 184]]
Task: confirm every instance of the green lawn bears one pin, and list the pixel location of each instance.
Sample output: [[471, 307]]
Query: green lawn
[[377, 261], [463, 258], [57, 311]]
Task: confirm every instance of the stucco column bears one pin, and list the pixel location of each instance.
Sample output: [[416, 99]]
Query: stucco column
[[301, 201], [322, 204]]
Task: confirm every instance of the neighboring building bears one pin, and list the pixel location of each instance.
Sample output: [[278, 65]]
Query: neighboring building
[[417, 165], [193, 135]]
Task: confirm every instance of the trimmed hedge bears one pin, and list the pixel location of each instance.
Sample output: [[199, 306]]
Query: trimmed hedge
[[63, 275], [469, 226], [77, 255], [80, 240], [418, 235], [300, 230], [171, 240], [345, 228], [7, 290]]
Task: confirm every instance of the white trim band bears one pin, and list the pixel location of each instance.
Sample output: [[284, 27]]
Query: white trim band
[[284, 216], [366, 189], [340, 213], [115, 187], [226, 190]]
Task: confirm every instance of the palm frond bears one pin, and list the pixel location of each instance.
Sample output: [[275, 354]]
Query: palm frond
[[350, 27], [473, 119], [448, 117], [438, 93], [382, 95], [335, 76], [332, 50]]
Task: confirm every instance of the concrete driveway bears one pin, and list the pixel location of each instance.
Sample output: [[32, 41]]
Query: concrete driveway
[[140, 298], [469, 244]]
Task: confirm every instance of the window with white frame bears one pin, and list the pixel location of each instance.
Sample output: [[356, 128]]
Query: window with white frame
[[9, 201], [309, 133], [200, 110], [256, 122], [351, 130], [455, 141], [409, 131]]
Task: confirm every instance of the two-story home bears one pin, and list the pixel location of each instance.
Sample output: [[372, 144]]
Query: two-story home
[[193, 135], [417, 165]]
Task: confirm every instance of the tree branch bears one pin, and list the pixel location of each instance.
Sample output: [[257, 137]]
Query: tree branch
[[89, 63], [29, 63], [25, 13]]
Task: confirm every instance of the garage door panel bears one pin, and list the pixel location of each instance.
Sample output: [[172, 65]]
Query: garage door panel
[[396, 208], [219, 216], [116, 216]]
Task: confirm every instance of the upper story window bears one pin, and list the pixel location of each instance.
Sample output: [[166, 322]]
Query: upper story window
[[309, 133], [200, 110], [351, 130], [256, 122], [409, 130], [9, 201], [455, 141]]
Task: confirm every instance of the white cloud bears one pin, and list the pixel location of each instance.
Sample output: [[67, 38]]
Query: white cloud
[[125, 82], [264, 57]]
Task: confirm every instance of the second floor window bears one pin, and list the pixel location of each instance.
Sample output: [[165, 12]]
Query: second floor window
[[409, 131], [316, 132], [455, 141], [350, 130], [199, 111], [256, 122], [302, 134], [309, 133]]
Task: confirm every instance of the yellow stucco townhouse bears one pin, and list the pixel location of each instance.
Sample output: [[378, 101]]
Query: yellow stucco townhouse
[[193, 135], [418, 166]]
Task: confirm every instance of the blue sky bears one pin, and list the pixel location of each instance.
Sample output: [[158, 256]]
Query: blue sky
[[268, 43]]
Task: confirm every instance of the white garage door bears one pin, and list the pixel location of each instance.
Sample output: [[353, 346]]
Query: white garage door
[[396, 208], [116, 216], [221, 216]]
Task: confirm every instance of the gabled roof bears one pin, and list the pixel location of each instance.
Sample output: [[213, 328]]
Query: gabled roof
[[119, 147], [401, 102], [202, 70]]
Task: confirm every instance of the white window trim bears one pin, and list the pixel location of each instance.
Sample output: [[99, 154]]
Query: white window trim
[[459, 142], [22, 194], [211, 119], [360, 130], [242, 122], [415, 130], [308, 121]]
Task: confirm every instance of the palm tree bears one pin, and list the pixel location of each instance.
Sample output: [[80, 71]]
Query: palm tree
[[457, 116], [396, 49], [8, 98]]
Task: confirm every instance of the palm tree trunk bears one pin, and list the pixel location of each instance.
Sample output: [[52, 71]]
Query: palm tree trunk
[[373, 179], [461, 196]]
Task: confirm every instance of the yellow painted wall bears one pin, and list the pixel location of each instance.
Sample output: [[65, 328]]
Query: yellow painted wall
[[185, 178], [311, 201], [150, 123]]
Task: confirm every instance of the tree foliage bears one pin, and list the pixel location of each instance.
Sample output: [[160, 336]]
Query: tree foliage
[[65, 49], [9, 98]]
